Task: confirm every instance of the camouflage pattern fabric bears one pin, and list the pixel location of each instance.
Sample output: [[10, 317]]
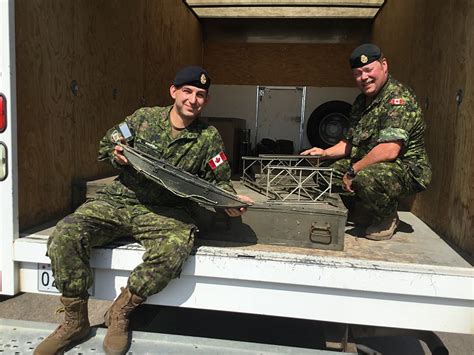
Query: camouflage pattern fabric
[[166, 233], [394, 115], [378, 186], [190, 151], [136, 207]]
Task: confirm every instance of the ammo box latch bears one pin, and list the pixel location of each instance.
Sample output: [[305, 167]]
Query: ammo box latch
[[320, 233]]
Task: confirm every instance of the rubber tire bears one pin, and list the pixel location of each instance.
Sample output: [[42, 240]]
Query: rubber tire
[[320, 133]]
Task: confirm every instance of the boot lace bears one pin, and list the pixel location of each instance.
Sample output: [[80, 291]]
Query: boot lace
[[122, 318], [69, 321]]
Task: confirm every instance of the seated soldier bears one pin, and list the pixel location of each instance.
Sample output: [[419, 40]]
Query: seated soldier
[[137, 207]]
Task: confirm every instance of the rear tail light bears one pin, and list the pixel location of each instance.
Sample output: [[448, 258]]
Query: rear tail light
[[3, 113]]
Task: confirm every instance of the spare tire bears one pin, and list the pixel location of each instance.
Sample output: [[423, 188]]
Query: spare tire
[[328, 123]]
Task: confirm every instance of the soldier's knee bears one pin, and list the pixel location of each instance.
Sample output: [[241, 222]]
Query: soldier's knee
[[67, 231], [364, 181], [368, 188]]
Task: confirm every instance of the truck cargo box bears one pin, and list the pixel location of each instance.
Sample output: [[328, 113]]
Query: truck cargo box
[[71, 70]]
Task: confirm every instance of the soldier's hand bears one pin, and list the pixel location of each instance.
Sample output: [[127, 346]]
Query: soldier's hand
[[313, 151], [118, 155], [347, 183], [235, 212]]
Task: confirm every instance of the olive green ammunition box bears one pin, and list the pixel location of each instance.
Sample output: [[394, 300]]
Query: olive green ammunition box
[[309, 225]]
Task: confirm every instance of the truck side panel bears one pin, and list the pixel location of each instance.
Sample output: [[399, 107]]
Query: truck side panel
[[9, 185]]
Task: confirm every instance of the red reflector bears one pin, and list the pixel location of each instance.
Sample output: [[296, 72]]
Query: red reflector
[[3, 113]]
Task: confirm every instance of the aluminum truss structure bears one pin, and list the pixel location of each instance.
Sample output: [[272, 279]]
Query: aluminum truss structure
[[287, 178]]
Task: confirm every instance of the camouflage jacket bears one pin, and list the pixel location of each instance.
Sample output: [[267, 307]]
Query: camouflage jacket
[[394, 115], [191, 151]]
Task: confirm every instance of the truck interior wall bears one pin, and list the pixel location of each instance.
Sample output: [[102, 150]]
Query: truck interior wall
[[281, 52], [121, 54], [279, 110], [430, 46], [279, 64]]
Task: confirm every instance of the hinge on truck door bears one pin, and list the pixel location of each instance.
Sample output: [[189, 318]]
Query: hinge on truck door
[[320, 233]]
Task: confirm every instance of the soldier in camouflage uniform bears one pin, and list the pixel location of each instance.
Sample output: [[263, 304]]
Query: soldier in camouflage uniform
[[136, 207], [384, 145]]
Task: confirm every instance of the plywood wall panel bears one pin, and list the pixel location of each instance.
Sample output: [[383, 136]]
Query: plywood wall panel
[[108, 58], [430, 46], [114, 50], [173, 40], [311, 64], [45, 107], [461, 225]]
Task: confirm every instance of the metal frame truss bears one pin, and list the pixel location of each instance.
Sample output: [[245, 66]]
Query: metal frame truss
[[287, 178]]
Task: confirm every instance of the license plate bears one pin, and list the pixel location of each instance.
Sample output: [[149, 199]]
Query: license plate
[[46, 280]]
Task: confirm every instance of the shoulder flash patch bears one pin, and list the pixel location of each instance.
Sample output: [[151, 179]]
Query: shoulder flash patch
[[397, 102], [217, 160]]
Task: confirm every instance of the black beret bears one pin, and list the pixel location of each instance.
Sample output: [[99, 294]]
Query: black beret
[[194, 76], [364, 54]]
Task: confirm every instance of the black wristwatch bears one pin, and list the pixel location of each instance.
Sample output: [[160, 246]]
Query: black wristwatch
[[351, 172]]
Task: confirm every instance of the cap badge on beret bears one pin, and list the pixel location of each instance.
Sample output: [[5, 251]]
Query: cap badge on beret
[[364, 54], [194, 76]]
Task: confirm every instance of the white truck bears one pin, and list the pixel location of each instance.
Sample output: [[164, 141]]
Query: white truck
[[414, 281]]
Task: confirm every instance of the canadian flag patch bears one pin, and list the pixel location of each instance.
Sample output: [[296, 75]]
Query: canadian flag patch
[[397, 102], [217, 160]]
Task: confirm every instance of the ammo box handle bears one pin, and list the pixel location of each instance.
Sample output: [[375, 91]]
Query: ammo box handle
[[320, 234]]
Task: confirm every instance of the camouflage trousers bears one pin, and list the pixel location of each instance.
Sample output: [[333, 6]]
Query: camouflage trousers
[[167, 234], [378, 186]]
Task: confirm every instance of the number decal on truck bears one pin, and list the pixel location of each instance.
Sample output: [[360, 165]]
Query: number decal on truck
[[45, 279]]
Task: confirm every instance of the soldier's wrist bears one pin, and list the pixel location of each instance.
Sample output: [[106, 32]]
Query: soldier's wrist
[[351, 172], [323, 154]]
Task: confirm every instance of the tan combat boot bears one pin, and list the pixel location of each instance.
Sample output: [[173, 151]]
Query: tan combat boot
[[117, 319], [384, 229], [74, 328]]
